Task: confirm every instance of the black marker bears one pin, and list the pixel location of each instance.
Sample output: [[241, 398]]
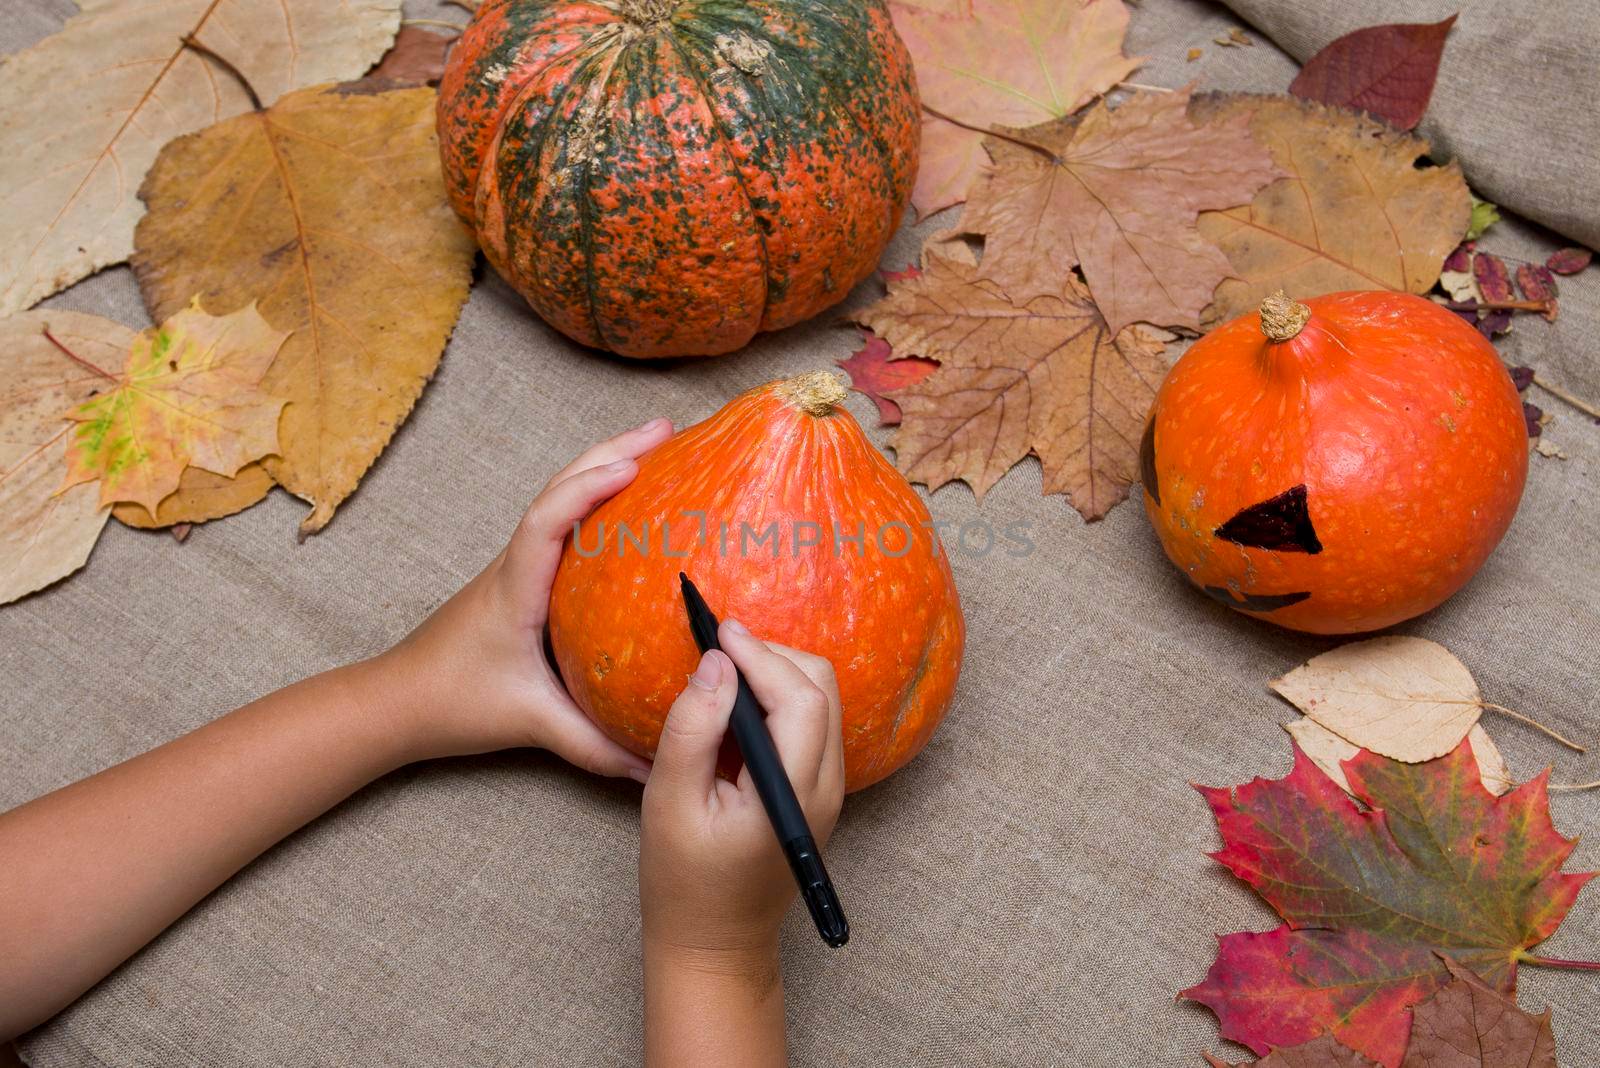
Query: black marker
[[772, 783]]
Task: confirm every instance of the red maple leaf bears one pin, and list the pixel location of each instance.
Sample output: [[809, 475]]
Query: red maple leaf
[[874, 370], [1424, 861]]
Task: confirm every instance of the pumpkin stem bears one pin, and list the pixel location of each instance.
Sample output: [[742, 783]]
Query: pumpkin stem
[[648, 13], [1282, 318], [815, 392]]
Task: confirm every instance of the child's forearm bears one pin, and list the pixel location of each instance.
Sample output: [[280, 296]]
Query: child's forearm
[[718, 1008], [92, 872]]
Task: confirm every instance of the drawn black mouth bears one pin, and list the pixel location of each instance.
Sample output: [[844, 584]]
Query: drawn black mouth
[[1255, 602]]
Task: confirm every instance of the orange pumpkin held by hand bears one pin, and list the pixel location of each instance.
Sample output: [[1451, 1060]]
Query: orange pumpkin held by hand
[[668, 177], [1337, 465], [790, 521]]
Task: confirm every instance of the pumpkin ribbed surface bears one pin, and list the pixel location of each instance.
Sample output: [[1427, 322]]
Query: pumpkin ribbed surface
[[1335, 465], [732, 501], [668, 177]]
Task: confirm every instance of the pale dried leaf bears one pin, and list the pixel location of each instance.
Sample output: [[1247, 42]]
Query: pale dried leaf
[[1117, 191], [190, 394], [45, 536], [1354, 213], [329, 209], [83, 112], [1046, 376], [1326, 749], [1009, 63], [1402, 697]]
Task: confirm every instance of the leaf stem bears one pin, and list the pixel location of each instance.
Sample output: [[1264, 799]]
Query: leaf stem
[[1572, 787], [992, 132], [1145, 88], [189, 41], [1553, 962], [1577, 402], [74, 357], [1498, 305], [1535, 724]]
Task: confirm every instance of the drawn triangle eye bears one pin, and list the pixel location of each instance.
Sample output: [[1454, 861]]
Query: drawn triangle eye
[[1282, 524]]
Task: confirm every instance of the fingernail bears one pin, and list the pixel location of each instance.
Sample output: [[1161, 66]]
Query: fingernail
[[708, 675], [639, 775], [735, 626], [651, 424], [618, 466]]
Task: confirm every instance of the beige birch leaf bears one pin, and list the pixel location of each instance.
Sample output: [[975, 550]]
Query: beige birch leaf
[[45, 535], [1326, 750], [84, 112], [1405, 698], [328, 209]]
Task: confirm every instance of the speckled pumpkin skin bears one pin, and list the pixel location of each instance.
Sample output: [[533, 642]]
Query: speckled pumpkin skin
[[891, 626], [668, 177], [1398, 419]]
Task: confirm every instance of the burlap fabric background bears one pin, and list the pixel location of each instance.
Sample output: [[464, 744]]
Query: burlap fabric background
[[1033, 890]]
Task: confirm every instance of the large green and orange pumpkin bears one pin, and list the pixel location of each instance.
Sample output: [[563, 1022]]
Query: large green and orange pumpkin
[[1337, 465], [789, 520], [668, 177]]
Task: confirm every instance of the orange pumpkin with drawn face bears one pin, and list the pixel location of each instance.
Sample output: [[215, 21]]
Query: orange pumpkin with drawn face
[[1337, 465]]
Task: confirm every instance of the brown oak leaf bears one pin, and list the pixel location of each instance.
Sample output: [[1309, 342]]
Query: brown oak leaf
[[1002, 63], [1046, 376], [328, 209], [1355, 212], [1117, 191]]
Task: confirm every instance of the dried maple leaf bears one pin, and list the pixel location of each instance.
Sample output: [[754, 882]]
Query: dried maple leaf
[[190, 394], [1354, 213], [1402, 697], [328, 209], [1569, 260], [1045, 376], [1118, 192], [85, 111], [46, 535], [1428, 862], [1009, 63], [1322, 1052], [1468, 1025], [1386, 71], [416, 58], [1328, 751], [873, 370]]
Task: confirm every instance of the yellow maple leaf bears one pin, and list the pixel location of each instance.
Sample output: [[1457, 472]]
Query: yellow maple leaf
[[190, 394]]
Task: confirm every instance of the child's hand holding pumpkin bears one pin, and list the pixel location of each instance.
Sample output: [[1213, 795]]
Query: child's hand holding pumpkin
[[473, 677]]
